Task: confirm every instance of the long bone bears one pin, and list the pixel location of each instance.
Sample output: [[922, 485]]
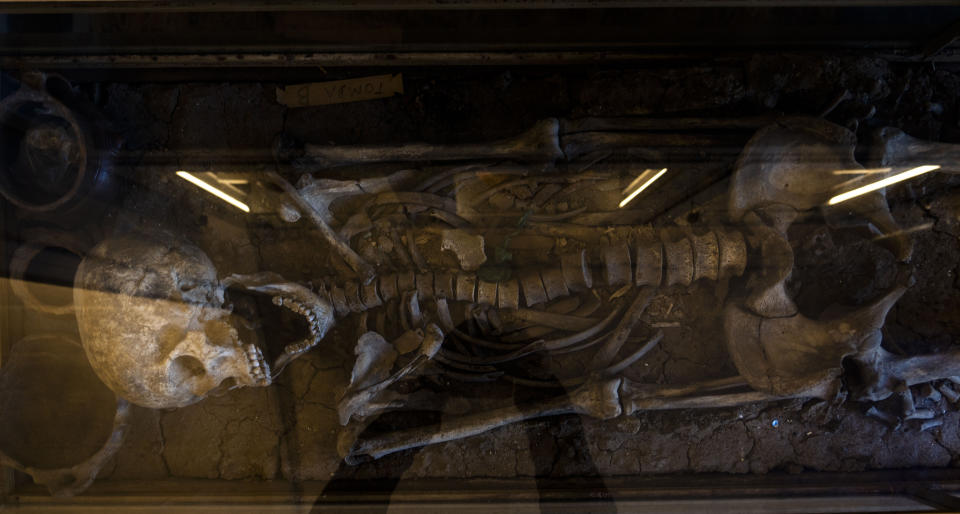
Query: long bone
[[357, 263], [538, 144], [893, 147], [601, 399]]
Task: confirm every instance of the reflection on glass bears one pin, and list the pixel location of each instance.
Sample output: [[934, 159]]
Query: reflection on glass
[[214, 191], [880, 184]]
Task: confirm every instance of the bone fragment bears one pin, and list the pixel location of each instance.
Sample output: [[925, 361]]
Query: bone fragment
[[466, 285], [388, 287], [486, 293], [876, 413], [768, 296], [644, 349], [933, 423], [597, 399], [678, 260], [425, 286], [375, 357], [406, 281], [906, 403], [443, 315], [798, 356], [508, 294], [443, 286], [549, 319], [604, 357], [369, 296], [643, 402], [927, 392], [361, 393], [921, 414], [468, 247], [363, 269], [733, 253], [532, 286], [649, 258], [411, 304], [951, 395], [920, 369], [576, 273], [408, 341], [897, 149], [706, 256], [771, 170], [288, 213], [339, 300], [553, 283], [321, 193], [617, 266], [538, 144], [351, 291]]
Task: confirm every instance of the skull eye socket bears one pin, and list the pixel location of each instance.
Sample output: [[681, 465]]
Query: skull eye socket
[[185, 367]]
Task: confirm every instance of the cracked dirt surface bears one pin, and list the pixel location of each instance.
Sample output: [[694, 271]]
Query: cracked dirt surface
[[290, 430]]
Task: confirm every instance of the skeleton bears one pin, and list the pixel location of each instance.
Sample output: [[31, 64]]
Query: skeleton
[[170, 358]]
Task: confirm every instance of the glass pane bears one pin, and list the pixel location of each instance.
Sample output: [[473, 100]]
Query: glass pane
[[518, 265]]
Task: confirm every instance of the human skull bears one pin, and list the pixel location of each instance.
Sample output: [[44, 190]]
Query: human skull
[[153, 324]]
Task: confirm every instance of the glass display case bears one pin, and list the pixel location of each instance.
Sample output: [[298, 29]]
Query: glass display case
[[429, 256]]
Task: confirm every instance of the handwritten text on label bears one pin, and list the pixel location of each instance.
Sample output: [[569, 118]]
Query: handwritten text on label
[[340, 91]]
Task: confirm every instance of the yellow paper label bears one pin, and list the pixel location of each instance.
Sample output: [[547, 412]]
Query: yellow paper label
[[340, 91]]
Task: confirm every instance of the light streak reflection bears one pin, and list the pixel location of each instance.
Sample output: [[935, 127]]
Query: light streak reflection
[[214, 191]]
